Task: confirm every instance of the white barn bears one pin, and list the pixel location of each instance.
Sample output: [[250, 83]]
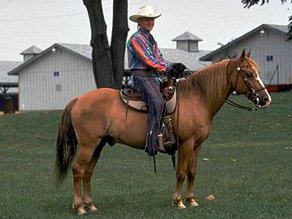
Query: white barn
[[49, 79], [271, 50]]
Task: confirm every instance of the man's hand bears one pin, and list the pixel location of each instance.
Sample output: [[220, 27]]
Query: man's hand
[[178, 67], [176, 70]]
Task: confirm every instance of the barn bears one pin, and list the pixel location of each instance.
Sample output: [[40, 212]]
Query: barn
[[49, 79], [271, 50]]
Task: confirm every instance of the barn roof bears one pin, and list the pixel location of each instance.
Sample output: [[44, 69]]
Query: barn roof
[[281, 29], [81, 49], [6, 66], [190, 59], [6, 80]]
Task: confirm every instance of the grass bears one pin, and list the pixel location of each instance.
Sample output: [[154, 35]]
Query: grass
[[247, 167]]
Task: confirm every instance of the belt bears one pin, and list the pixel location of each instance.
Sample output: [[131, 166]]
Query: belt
[[148, 71]]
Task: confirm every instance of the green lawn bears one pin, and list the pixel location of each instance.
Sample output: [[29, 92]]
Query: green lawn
[[246, 164]]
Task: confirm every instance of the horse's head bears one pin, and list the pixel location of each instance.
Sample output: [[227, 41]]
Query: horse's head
[[247, 81]]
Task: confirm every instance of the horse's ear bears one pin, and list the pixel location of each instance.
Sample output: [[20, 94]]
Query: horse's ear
[[242, 56], [248, 54]]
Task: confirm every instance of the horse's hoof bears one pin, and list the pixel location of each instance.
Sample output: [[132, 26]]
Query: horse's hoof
[[81, 211], [92, 207], [179, 204], [192, 202]]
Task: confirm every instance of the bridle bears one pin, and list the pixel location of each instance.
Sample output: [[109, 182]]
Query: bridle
[[254, 94]]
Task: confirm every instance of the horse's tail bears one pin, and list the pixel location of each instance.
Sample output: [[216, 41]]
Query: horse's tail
[[66, 144]]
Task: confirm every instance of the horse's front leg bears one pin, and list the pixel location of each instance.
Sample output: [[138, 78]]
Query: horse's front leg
[[191, 174], [184, 157]]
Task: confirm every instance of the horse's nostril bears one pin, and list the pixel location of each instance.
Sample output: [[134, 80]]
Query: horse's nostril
[[265, 101]]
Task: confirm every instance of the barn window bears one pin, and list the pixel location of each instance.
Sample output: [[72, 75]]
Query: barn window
[[56, 74], [269, 58], [58, 87]]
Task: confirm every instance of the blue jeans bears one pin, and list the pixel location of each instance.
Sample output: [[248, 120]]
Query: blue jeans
[[149, 88]]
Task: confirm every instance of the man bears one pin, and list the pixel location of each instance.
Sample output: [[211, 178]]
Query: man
[[148, 66]]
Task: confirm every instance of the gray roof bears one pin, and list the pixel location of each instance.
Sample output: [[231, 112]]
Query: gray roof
[[7, 80], [5, 67], [190, 59], [31, 50], [82, 49], [187, 36], [281, 29]]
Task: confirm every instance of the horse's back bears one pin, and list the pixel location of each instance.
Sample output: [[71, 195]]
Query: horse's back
[[101, 94]]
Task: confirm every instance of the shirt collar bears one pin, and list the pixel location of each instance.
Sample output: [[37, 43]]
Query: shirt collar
[[144, 32]]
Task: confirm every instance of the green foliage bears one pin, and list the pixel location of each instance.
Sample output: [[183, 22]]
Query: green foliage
[[249, 3], [245, 164]]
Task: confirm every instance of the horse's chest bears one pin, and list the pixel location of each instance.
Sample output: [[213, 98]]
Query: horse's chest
[[202, 133]]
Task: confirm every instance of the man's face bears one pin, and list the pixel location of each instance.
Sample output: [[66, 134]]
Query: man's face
[[146, 23]]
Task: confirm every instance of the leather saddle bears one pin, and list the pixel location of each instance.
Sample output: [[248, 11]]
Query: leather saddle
[[132, 98]]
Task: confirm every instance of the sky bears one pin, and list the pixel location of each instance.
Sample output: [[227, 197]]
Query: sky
[[42, 23]]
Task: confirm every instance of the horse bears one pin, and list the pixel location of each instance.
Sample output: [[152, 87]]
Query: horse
[[99, 117]]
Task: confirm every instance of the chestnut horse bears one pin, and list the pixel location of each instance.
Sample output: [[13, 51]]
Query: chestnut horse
[[99, 117]]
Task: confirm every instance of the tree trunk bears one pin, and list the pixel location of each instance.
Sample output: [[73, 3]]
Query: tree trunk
[[118, 40], [101, 57]]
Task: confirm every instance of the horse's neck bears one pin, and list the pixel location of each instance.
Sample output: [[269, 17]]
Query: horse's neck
[[212, 86]]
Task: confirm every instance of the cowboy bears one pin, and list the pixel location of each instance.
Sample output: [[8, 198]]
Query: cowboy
[[148, 66]]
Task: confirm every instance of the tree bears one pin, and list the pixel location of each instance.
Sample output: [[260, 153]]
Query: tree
[[108, 60]]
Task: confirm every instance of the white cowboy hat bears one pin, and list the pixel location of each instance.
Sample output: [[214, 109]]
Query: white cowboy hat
[[144, 11]]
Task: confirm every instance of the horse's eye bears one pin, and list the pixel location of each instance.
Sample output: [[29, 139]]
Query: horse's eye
[[249, 75]]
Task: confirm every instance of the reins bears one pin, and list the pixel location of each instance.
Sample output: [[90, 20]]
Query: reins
[[239, 106]]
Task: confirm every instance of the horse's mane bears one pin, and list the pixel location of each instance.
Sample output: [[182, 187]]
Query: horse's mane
[[206, 81]]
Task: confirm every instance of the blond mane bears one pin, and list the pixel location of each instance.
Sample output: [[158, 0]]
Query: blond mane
[[207, 82]]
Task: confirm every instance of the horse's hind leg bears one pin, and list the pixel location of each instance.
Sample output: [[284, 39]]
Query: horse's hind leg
[[82, 172], [88, 174], [191, 177]]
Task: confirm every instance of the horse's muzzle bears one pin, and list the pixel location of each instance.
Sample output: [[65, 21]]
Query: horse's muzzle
[[263, 101]]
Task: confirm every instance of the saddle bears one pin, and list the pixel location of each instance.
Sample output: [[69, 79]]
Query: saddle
[[133, 99], [130, 96]]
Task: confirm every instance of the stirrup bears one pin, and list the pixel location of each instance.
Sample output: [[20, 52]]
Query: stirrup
[[169, 138], [160, 143]]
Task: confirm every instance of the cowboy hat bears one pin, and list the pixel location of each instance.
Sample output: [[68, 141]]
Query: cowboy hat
[[144, 11]]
